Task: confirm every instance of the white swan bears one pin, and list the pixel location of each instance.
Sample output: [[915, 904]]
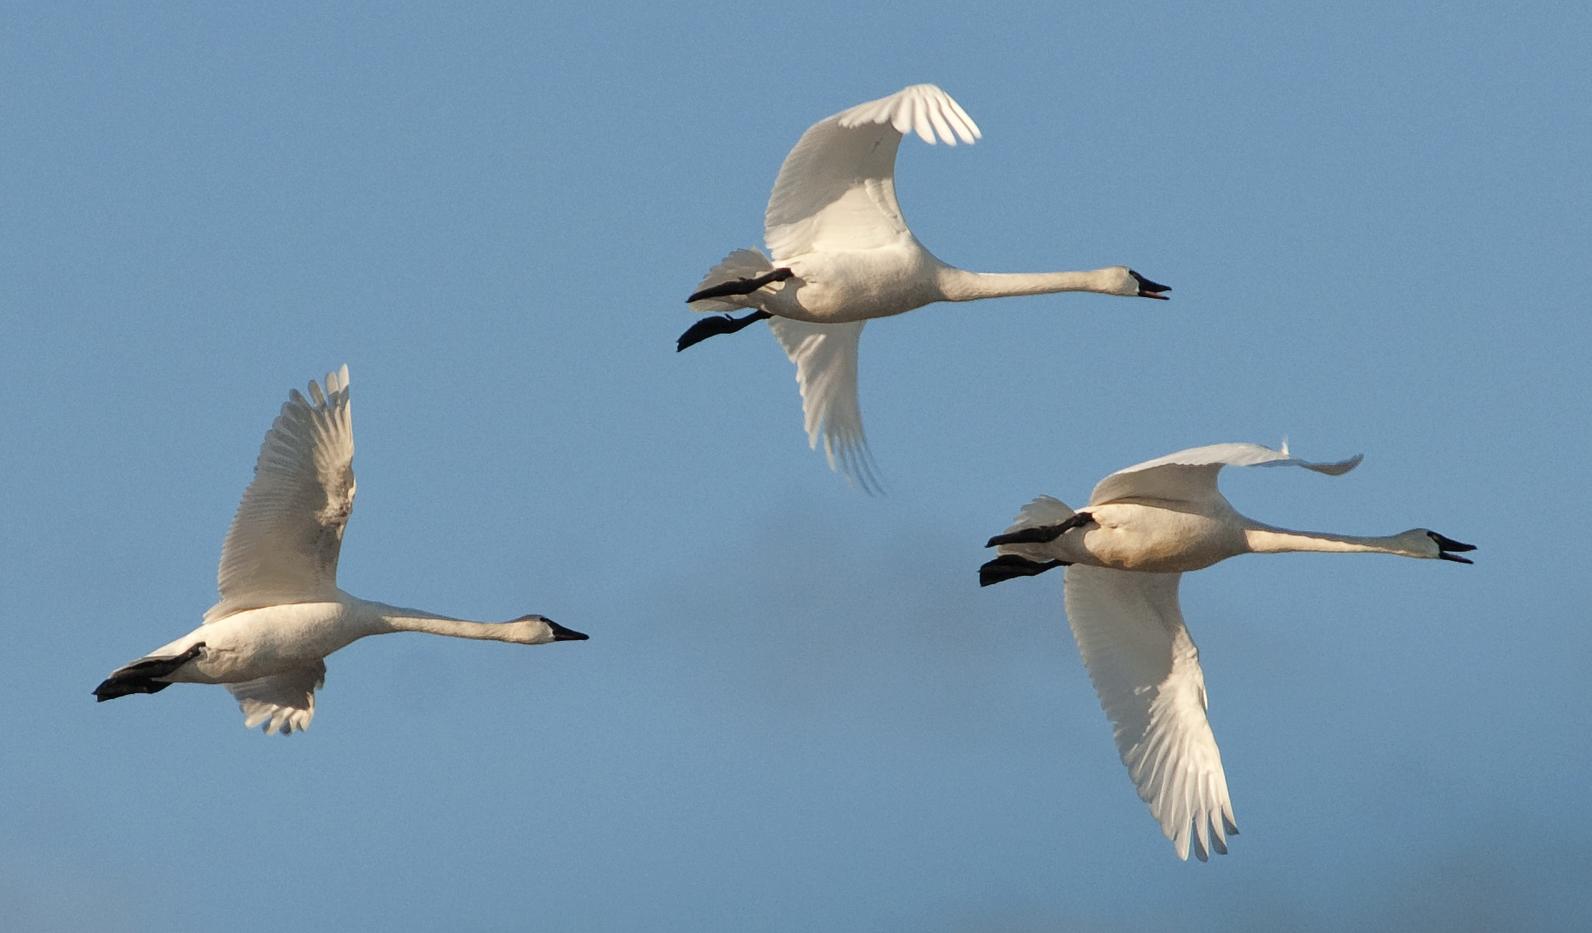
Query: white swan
[[281, 612], [842, 254], [1143, 527]]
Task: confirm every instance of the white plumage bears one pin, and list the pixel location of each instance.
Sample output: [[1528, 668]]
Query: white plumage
[[1125, 553], [281, 612], [283, 543], [842, 253]]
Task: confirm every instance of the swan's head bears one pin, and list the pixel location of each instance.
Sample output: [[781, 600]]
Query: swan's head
[[539, 630], [1423, 542], [1135, 285]]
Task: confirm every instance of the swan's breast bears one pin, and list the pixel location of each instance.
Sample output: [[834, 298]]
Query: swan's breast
[[1157, 540], [261, 642], [837, 286]]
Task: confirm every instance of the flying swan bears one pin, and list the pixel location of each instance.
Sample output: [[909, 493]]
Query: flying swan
[[281, 612], [1124, 553], [841, 254]]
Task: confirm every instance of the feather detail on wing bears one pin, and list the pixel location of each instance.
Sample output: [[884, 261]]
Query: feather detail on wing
[[836, 188], [284, 702], [1190, 475], [1146, 670], [285, 538], [826, 370]]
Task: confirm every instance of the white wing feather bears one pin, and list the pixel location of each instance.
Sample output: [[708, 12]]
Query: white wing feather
[[284, 702], [1190, 475], [1146, 670], [836, 188], [826, 370], [288, 530]]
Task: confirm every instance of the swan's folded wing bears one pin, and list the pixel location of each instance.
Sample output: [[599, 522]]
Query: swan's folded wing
[[1147, 672], [288, 530], [836, 188], [1190, 475], [284, 702], [826, 370]]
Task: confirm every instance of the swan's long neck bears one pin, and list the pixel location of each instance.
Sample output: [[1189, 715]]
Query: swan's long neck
[[964, 285], [385, 618], [1265, 539]]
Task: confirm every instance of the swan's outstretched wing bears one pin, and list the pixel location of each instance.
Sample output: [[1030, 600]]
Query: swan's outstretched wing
[[836, 189], [284, 702], [1147, 672], [284, 540], [1190, 475], [826, 370]]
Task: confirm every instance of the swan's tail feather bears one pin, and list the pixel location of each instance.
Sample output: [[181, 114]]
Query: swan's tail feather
[[140, 676], [741, 264], [1043, 512]]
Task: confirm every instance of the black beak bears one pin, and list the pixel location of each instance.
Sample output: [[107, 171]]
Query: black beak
[[1446, 544], [561, 633], [1149, 289]]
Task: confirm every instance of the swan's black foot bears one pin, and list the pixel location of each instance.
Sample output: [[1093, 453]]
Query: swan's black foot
[[1009, 566], [139, 676], [715, 325], [1041, 534], [740, 286]]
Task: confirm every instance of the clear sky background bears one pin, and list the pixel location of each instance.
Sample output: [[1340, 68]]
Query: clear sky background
[[797, 711]]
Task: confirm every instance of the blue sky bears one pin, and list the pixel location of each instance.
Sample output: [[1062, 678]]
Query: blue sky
[[797, 710]]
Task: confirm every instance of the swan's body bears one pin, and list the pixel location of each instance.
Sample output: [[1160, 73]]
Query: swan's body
[[840, 253], [280, 612], [1125, 552]]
